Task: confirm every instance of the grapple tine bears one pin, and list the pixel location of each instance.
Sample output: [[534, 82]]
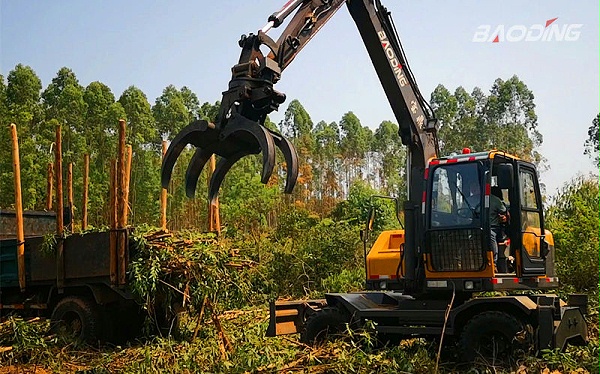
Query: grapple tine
[[223, 166], [169, 160], [199, 159], [195, 133], [291, 160], [243, 128]]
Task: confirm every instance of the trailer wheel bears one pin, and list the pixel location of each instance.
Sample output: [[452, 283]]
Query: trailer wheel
[[76, 318], [323, 325], [492, 336]]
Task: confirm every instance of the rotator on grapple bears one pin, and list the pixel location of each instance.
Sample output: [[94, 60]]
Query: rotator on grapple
[[239, 129]]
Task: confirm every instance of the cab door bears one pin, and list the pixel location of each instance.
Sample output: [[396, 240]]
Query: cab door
[[533, 249]]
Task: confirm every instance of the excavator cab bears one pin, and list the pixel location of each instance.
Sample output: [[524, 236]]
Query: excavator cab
[[461, 223]]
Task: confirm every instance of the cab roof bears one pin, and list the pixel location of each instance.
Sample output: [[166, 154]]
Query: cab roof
[[473, 156]]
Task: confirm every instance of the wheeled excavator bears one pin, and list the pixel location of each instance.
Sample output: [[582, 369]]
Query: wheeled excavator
[[426, 279]]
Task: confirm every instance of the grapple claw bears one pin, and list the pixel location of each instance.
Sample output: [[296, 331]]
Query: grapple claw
[[291, 160], [198, 133], [251, 138], [199, 159], [238, 138], [223, 166]]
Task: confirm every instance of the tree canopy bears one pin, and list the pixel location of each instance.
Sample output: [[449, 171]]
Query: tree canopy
[[504, 119], [591, 144]]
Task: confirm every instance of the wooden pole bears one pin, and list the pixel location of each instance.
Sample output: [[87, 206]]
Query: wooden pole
[[49, 186], [86, 181], [123, 243], [210, 207], [60, 268], [128, 155], [163, 195], [120, 175], [18, 207], [70, 200], [113, 221], [214, 221], [121, 203]]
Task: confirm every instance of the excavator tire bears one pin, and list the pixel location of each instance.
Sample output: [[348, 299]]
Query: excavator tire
[[493, 336], [324, 325]]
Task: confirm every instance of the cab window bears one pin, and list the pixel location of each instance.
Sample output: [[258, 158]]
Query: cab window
[[530, 213], [455, 195]]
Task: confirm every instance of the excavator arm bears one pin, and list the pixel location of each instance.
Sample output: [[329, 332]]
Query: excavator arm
[[239, 128]]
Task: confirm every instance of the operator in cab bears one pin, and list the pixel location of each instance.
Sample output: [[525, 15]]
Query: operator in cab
[[499, 215]]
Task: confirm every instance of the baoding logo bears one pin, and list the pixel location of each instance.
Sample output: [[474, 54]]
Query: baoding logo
[[541, 32]]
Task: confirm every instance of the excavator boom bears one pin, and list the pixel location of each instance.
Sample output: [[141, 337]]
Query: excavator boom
[[239, 128]]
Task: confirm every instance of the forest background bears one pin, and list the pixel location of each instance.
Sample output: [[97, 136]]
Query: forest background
[[307, 242]]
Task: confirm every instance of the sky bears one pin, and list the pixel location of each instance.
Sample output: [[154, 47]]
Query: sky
[[151, 44]]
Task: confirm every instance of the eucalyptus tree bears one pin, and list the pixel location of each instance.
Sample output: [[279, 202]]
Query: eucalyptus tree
[[297, 125], [392, 159], [100, 129], [355, 142], [591, 143], [143, 136], [510, 114], [572, 217], [174, 109], [327, 164], [21, 105], [504, 119], [63, 101]]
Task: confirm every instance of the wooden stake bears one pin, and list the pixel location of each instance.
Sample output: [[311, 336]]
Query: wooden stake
[[86, 181], [49, 186], [128, 155], [121, 204], [121, 176], [70, 195], [199, 320], [113, 221], [18, 207], [214, 221], [224, 344], [163, 195], [60, 265]]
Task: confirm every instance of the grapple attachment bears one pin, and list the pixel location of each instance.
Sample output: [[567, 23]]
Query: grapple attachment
[[238, 130], [239, 138]]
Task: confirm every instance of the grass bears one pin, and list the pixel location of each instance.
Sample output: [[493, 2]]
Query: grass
[[199, 268], [252, 352]]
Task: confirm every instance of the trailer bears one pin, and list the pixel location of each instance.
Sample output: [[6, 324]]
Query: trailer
[[76, 289]]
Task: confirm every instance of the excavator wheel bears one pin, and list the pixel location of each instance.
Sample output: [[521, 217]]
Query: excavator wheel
[[326, 324], [494, 337]]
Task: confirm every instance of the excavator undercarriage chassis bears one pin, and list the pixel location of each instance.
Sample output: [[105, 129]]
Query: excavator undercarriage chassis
[[550, 322]]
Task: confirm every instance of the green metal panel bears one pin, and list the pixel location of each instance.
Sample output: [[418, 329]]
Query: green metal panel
[[9, 275], [9, 269]]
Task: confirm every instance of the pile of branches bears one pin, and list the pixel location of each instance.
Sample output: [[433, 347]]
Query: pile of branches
[[187, 269]]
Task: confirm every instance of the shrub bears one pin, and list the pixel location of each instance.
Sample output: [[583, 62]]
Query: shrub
[[573, 220]]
